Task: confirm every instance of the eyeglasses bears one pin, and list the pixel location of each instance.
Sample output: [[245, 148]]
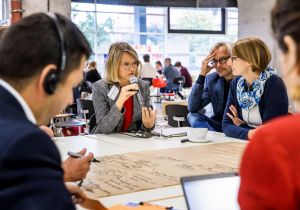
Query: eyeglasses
[[221, 61], [127, 66]]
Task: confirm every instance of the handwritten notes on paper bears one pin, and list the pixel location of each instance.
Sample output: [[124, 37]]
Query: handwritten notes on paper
[[131, 172]]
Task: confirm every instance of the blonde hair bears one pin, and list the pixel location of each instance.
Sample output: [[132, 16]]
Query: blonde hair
[[115, 53], [254, 51]]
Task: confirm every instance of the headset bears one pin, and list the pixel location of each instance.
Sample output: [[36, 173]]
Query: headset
[[53, 77]]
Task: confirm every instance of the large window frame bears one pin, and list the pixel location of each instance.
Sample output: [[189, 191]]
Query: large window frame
[[184, 31], [4, 13]]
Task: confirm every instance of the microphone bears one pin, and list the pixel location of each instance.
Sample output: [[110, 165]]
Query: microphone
[[134, 80]]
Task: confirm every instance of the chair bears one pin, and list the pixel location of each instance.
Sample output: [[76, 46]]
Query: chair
[[179, 81], [85, 107], [148, 80], [158, 83], [177, 115], [92, 123]]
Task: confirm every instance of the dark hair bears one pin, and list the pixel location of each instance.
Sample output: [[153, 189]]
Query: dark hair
[[146, 58], [33, 43], [178, 64], [158, 62], [2, 29], [285, 20]]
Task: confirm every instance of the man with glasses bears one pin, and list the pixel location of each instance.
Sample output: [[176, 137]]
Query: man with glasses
[[211, 88]]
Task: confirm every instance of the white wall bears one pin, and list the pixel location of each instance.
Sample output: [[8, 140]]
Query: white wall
[[59, 6], [255, 19]]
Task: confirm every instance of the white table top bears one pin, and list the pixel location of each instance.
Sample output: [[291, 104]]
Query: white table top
[[101, 145]]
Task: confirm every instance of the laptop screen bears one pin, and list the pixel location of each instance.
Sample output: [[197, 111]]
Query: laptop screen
[[211, 192]]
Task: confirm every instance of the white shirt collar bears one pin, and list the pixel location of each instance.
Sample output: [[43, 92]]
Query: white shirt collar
[[20, 99]]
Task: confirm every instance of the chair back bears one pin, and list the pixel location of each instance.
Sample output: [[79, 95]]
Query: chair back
[[85, 107], [178, 81], [92, 123], [148, 80], [177, 115]]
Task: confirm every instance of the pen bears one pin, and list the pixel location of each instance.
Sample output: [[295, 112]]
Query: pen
[[76, 155]]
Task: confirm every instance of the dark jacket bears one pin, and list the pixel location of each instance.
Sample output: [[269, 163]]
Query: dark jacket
[[273, 103], [186, 74], [31, 176], [209, 89], [92, 76]]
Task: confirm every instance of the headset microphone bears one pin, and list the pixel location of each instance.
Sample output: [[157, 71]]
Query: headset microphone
[[134, 80]]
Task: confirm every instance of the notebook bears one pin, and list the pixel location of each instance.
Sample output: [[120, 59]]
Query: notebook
[[211, 192]]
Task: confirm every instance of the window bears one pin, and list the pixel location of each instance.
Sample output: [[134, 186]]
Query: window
[[4, 12], [196, 20], [146, 29]]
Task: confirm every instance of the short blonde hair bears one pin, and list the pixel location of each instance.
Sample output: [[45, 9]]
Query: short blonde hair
[[115, 53], [254, 51]]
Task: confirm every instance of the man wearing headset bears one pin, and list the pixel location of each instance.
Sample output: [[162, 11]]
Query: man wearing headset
[[75, 169], [42, 59], [211, 88]]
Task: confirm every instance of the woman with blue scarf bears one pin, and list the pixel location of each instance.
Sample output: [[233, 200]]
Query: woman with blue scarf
[[257, 95]]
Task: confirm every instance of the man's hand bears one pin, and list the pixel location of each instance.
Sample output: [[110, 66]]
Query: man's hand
[[205, 68], [76, 169], [78, 197]]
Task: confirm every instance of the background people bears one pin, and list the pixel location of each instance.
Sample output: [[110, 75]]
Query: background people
[[184, 73], [148, 71], [92, 75], [170, 73]]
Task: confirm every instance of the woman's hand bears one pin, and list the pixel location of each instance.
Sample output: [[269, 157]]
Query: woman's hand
[[126, 92], [234, 116], [148, 117]]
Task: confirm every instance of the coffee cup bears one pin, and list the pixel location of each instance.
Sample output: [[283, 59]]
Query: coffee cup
[[197, 134]]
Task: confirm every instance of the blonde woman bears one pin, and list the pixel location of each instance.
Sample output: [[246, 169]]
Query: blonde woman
[[116, 101], [257, 95]]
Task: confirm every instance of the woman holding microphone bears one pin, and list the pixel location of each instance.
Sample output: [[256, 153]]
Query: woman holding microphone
[[121, 101]]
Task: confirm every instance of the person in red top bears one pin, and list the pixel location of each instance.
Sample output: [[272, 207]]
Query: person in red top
[[184, 73], [270, 169], [121, 106]]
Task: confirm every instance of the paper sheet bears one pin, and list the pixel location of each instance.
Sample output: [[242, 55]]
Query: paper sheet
[[131, 172]]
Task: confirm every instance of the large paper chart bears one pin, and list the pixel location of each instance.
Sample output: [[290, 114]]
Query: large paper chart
[[131, 172]]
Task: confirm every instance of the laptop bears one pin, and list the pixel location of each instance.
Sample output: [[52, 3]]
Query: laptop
[[211, 192]]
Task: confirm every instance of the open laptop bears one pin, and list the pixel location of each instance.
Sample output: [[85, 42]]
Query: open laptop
[[211, 192]]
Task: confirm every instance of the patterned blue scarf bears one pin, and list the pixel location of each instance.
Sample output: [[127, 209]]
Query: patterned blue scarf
[[248, 99]]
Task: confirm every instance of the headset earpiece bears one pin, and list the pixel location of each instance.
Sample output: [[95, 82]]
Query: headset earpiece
[[53, 76], [51, 81]]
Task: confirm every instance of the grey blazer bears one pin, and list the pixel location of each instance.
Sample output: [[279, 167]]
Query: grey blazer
[[109, 118]]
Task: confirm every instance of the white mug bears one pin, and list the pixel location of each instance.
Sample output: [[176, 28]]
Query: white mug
[[197, 134]]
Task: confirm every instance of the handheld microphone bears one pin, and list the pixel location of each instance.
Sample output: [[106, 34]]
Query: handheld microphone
[[134, 80]]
